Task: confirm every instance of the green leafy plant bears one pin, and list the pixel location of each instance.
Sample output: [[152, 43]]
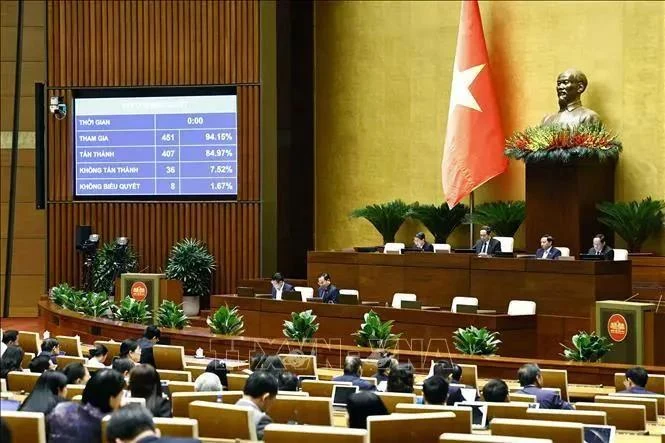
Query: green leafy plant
[[226, 321], [192, 264], [95, 304], [441, 221], [563, 144], [375, 333], [586, 347], [633, 221], [505, 217], [385, 217], [111, 261], [475, 341], [64, 295], [132, 311], [171, 315], [302, 326]]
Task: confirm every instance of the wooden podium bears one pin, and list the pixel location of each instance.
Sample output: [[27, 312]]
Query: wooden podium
[[153, 288], [561, 201], [629, 326]]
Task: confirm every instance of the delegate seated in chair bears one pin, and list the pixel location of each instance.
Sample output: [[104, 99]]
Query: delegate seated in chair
[[328, 292], [487, 245], [531, 381], [133, 423], [547, 251], [279, 286], [636, 380], [353, 370]]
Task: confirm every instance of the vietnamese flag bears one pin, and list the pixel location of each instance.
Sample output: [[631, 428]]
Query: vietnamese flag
[[473, 153]]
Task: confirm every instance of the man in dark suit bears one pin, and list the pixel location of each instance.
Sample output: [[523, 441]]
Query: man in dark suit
[[353, 370], [601, 248], [546, 250], [133, 424], [150, 337], [279, 286], [487, 245], [327, 291], [531, 381], [636, 381], [420, 243]]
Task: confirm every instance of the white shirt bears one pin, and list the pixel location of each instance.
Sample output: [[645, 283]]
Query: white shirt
[[3, 348], [278, 292], [95, 363], [547, 251]]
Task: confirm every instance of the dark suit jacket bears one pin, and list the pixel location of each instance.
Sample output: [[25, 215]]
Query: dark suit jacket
[[427, 247], [635, 390], [153, 439], [554, 253], [329, 294], [287, 287], [547, 399], [492, 248], [454, 395], [607, 253], [147, 356], [356, 381]]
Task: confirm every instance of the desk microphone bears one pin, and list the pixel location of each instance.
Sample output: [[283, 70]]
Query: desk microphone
[[659, 300], [632, 296]]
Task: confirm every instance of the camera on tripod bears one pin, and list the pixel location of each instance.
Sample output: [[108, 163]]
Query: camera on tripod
[[87, 243]]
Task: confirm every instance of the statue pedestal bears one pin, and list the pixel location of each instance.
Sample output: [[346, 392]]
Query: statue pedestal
[[561, 201]]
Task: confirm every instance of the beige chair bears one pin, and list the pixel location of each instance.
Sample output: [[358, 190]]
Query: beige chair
[[195, 371], [166, 374], [293, 393], [180, 386], [620, 254], [168, 427], [522, 307], [660, 399], [469, 375], [218, 420], [319, 388], [565, 252], [236, 381], [472, 301], [74, 390], [169, 357], [299, 364], [279, 433], [180, 400], [655, 383], [30, 342], [441, 248], [26, 426], [113, 348], [392, 399], [624, 417], [27, 358], [585, 417], [461, 424], [463, 438], [421, 428], [507, 243], [558, 432], [305, 292], [393, 248], [523, 398], [651, 404], [515, 410], [399, 297], [370, 366], [18, 381], [556, 378], [302, 410], [63, 360], [71, 346]]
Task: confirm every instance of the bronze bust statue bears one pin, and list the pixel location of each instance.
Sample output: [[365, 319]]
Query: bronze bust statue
[[569, 87]]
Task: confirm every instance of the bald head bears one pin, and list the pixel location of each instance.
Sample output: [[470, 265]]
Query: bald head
[[570, 85]]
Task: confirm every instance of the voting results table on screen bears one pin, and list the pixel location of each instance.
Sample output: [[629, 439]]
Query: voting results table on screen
[[156, 146]]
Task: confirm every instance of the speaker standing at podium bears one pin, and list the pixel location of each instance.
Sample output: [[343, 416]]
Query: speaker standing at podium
[[601, 248]]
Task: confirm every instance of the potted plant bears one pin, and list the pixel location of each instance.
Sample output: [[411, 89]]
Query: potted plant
[[586, 347], [132, 311], [301, 327], [505, 217], [441, 221], [109, 263], [633, 221], [226, 321], [476, 341], [386, 217], [171, 315], [192, 264], [64, 295], [374, 333], [96, 304]]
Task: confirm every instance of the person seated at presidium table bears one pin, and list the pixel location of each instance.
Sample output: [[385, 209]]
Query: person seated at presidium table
[[327, 291], [353, 370], [636, 381], [420, 243], [531, 381], [487, 245], [601, 248], [279, 286], [546, 250]]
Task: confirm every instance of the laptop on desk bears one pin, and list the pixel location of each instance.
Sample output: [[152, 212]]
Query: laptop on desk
[[407, 304], [347, 299], [465, 251], [341, 394], [504, 254], [411, 251], [292, 295], [467, 309], [245, 291], [592, 257]]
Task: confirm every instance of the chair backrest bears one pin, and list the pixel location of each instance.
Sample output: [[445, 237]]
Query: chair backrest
[[370, 366], [463, 438], [218, 420], [293, 393], [74, 390], [392, 399], [166, 374], [660, 399], [169, 357], [18, 381], [177, 427], [655, 383], [441, 247], [506, 410], [71, 346], [650, 404], [586, 417], [461, 423], [113, 348], [320, 388], [181, 386], [180, 400], [26, 426], [524, 398], [349, 292], [469, 374], [620, 254], [3, 385], [558, 432], [30, 341], [305, 292], [299, 364], [421, 428], [393, 248], [27, 358], [556, 378], [473, 301], [624, 417], [398, 297], [302, 410], [521, 307], [506, 243], [565, 252], [63, 360], [195, 371], [280, 433], [237, 381]]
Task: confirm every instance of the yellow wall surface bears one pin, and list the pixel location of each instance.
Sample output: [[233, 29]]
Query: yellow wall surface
[[383, 76]]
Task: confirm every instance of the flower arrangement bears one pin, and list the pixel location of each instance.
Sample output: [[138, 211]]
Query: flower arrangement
[[563, 144]]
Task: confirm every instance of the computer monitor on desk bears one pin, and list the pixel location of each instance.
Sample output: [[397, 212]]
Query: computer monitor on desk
[[292, 295], [347, 299], [465, 251], [245, 291], [592, 257], [467, 309], [504, 254], [412, 251]]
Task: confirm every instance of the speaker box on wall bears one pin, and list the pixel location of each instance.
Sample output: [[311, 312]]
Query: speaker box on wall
[[40, 146], [83, 232]]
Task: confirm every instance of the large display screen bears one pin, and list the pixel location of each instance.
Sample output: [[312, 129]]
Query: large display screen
[[138, 143]]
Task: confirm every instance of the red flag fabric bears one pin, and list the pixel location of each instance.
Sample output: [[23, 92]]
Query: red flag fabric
[[473, 152]]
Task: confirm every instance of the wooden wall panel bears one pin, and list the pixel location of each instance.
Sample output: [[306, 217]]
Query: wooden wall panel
[[152, 43]]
